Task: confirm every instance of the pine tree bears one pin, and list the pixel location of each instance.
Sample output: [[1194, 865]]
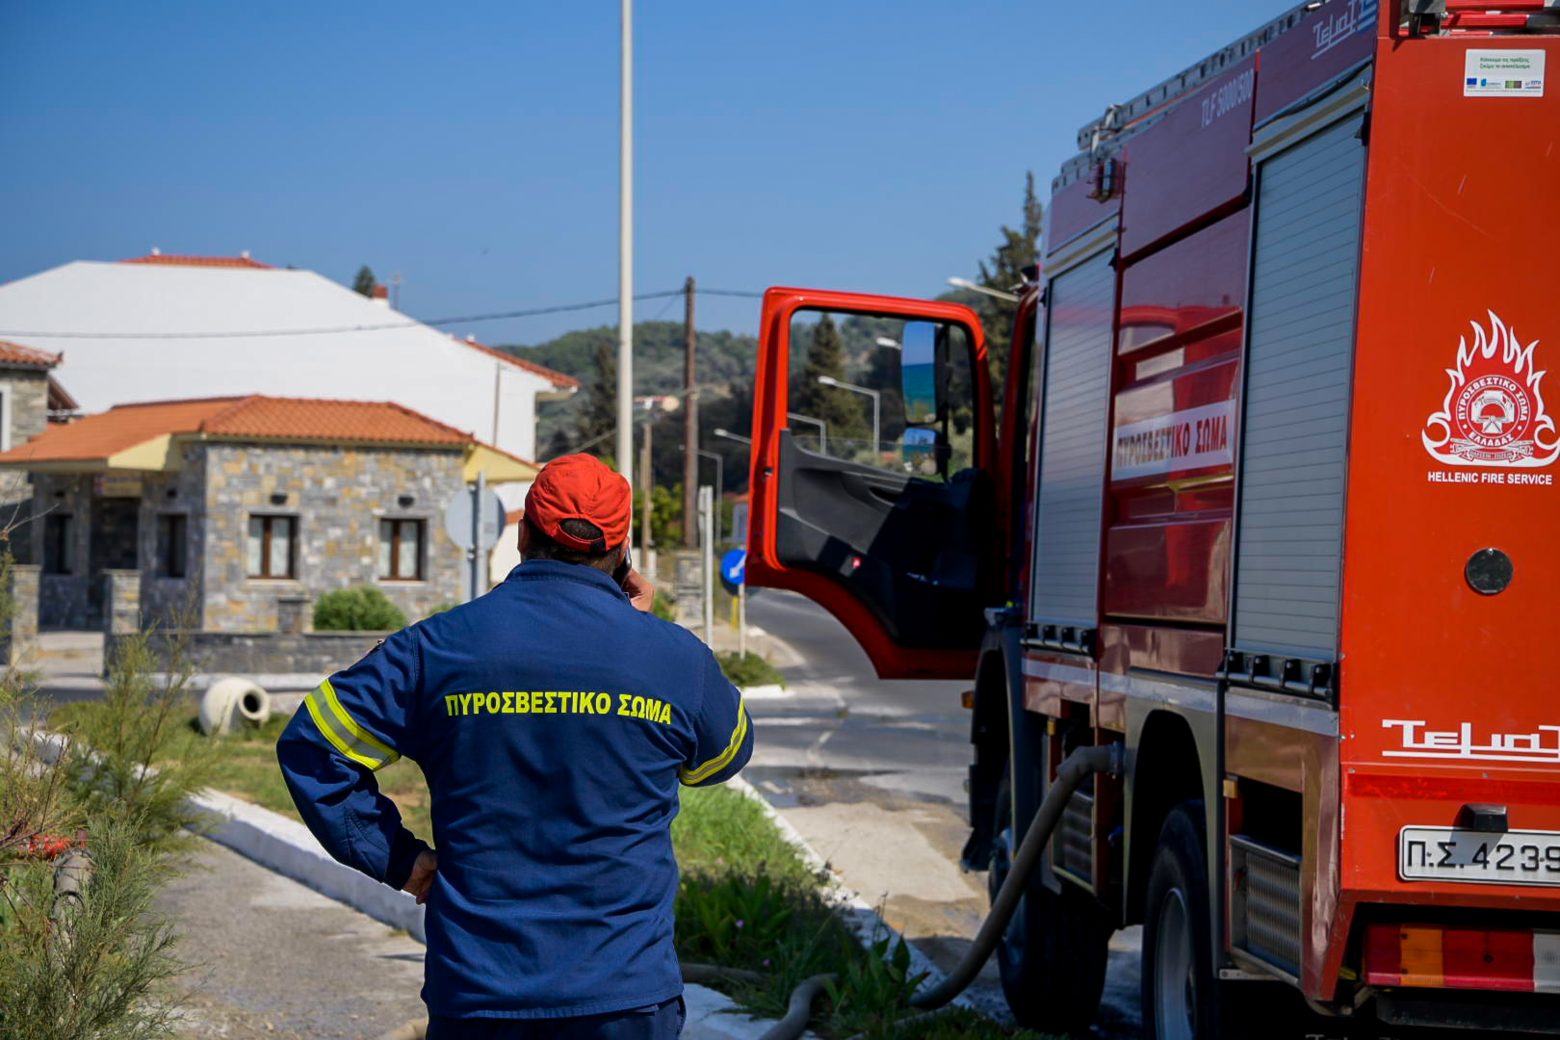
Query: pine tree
[[1020, 247], [599, 418], [558, 444], [843, 413], [365, 283]]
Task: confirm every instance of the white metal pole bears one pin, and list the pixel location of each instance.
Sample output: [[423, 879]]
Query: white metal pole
[[478, 492], [720, 487], [625, 366], [742, 618], [823, 433], [707, 515]]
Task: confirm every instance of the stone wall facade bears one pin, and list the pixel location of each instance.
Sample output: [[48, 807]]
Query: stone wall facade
[[260, 653], [121, 602], [19, 628], [64, 599], [338, 497], [28, 390], [170, 599]]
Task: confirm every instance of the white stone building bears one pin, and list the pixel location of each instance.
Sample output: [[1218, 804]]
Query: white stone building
[[168, 327]]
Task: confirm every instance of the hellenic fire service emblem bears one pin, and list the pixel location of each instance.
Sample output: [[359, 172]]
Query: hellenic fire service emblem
[[1493, 414]]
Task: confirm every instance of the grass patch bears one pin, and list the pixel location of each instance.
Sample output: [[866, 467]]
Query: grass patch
[[747, 899], [245, 767], [749, 669]]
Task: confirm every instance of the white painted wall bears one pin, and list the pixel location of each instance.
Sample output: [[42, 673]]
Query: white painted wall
[[124, 308]]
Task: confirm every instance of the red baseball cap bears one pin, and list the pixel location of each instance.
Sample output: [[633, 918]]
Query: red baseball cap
[[580, 487]]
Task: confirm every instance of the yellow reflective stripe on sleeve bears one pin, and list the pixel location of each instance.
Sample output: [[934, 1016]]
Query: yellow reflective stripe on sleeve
[[344, 734], [363, 735], [722, 760]]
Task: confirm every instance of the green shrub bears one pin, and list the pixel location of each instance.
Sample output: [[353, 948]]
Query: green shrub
[[361, 609], [749, 669], [663, 606]]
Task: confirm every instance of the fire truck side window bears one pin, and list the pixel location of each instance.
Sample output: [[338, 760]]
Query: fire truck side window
[[847, 392]]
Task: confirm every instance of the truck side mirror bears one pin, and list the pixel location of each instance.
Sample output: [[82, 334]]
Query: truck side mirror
[[921, 373]]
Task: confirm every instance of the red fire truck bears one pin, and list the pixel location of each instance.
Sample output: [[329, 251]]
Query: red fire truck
[[1268, 497]]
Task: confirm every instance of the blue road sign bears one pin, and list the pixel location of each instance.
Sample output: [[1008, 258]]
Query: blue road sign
[[733, 566]]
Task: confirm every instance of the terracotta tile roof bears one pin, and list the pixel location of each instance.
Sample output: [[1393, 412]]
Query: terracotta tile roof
[[296, 418], [552, 375], [118, 429], [254, 417], [182, 260], [16, 354]]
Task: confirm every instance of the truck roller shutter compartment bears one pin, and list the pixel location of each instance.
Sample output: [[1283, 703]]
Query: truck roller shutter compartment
[[1304, 278], [1075, 402]]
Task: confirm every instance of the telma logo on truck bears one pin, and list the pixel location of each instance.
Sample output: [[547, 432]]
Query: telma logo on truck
[[1541, 745], [1493, 414]]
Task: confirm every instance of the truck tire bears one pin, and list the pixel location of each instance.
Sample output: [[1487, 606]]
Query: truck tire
[[1052, 954], [1182, 996], [1178, 979]]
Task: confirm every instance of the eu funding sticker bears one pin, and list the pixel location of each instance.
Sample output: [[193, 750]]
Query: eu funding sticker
[[1189, 439], [1503, 73]]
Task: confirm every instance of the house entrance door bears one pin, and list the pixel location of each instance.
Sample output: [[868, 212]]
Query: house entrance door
[[113, 545]]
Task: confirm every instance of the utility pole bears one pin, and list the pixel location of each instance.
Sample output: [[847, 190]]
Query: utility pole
[[625, 366], [690, 420], [646, 488]]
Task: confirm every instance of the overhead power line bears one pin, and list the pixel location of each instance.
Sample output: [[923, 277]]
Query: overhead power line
[[327, 330]]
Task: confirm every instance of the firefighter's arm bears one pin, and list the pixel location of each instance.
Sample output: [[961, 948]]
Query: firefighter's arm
[[722, 732], [355, 723]]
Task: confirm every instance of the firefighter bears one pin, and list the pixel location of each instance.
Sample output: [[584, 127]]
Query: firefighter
[[554, 718]]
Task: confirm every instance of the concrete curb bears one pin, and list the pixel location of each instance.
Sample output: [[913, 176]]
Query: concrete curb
[[860, 916], [286, 847], [766, 692]]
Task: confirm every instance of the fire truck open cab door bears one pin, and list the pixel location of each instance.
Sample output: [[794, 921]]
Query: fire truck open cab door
[[873, 441]]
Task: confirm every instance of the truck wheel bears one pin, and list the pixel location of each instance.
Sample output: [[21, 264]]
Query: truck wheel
[[1179, 998], [1052, 954]]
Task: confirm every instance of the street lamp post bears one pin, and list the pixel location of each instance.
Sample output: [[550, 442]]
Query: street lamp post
[[823, 433], [889, 344], [728, 435], [625, 363], [877, 406], [965, 283]]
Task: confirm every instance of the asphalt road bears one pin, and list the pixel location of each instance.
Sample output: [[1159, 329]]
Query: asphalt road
[[908, 735]]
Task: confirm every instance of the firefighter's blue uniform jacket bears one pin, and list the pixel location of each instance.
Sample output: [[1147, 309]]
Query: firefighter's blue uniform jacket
[[554, 722]]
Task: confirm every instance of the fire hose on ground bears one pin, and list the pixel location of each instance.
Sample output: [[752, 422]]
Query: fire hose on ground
[[1075, 768]]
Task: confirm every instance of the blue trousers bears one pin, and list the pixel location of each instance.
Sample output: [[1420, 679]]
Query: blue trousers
[[658, 1022]]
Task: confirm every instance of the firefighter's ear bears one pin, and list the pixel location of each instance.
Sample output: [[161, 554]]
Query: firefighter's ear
[[525, 538]]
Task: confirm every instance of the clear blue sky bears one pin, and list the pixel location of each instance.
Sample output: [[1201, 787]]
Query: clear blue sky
[[472, 147]]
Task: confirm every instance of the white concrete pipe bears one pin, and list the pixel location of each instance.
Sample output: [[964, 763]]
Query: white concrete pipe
[[233, 702]]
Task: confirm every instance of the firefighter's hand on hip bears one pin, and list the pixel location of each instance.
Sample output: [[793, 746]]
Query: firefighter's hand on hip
[[421, 878]]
